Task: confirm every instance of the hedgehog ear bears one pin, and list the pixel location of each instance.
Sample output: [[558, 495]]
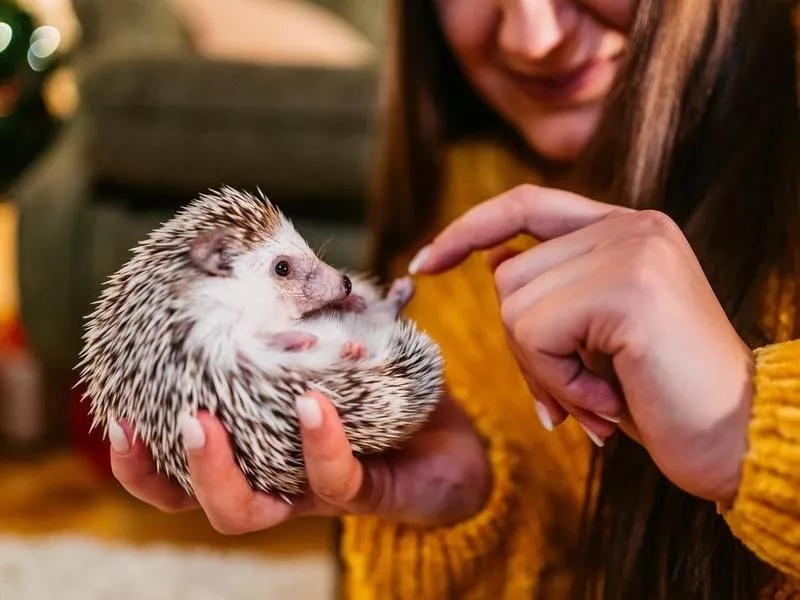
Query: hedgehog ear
[[210, 251]]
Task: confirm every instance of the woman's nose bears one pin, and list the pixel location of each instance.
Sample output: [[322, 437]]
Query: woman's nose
[[530, 30]]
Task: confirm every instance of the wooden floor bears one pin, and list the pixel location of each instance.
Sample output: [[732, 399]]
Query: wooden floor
[[60, 493]]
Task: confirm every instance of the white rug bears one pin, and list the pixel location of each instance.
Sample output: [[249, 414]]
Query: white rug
[[71, 568]]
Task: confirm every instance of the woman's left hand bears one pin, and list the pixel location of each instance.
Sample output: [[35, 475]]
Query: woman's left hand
[[611, 314]]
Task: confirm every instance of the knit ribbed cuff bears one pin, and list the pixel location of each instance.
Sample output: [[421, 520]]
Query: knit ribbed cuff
[[766, 512], [386, 559]]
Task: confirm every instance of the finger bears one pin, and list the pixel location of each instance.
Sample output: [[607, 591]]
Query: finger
[[596, 428], [591, 271], [548, 410], [334, 474], [585, 277], [544, 213], [599, 409], [134, 468], [602, 366], [599, 364], [553, 411], [230, 503], [606, 234], [517, 271], [556, 329]]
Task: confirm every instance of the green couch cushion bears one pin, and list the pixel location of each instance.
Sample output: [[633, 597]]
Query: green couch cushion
[[301, 134]]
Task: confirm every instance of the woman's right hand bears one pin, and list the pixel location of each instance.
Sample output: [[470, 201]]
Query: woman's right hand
[[439, 477]]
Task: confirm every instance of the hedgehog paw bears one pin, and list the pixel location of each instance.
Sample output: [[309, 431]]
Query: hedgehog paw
[[399, 295], [292, 341], [401, 290], [352, 350]]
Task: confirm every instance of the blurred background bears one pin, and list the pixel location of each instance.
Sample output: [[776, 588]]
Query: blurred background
[[113, 113]]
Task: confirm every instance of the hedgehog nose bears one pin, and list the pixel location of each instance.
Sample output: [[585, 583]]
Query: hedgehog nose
[[348, 285]]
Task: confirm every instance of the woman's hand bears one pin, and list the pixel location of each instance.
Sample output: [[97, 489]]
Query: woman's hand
[[611, 314], [441, 475]]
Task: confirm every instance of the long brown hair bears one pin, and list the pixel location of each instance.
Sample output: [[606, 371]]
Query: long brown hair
[[703, 125]]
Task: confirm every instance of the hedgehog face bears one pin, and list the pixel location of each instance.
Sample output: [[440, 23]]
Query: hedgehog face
[[299, 277], [281, 273]]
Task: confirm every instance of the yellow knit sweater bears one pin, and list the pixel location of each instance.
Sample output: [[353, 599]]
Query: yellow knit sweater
[[518, 546]]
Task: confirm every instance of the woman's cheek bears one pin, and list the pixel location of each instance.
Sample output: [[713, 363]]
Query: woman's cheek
[[468, 26], [617, 14]]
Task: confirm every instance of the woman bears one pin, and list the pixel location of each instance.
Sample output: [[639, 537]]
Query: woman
[[672, 257]]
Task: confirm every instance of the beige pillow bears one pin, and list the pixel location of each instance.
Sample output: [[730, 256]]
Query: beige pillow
[[282, 32]]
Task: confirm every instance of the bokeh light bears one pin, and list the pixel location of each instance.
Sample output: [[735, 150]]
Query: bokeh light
[[6, 35], [44, 43]]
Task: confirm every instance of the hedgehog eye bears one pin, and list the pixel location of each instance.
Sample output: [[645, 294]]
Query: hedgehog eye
[[282, 268]]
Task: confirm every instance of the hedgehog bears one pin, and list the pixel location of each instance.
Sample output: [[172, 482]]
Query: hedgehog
[[226, 308]]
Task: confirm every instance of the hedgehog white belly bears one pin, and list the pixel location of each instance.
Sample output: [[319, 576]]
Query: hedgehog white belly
[[382, 399]]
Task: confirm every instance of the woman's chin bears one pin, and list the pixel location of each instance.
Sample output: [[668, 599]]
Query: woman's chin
[[561, 138], [563, 154]]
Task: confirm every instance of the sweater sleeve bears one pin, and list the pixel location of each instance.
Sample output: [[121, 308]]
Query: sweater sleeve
[[766, 512]]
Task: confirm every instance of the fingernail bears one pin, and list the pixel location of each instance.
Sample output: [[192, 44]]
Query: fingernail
[[544, 416], [117, 437], [609, 418], [308, 411], [419, 260], [592, 436], [192, 432]]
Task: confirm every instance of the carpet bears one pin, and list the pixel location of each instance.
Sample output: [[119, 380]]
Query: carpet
[[76, 568]]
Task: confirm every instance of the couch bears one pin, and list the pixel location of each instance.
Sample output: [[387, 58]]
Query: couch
[[158, 122]]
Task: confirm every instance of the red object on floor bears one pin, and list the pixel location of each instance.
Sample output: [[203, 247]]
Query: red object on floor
[[89, 444], [13, 335]]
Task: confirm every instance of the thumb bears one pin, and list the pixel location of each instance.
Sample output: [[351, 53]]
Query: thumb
[[334, 474]]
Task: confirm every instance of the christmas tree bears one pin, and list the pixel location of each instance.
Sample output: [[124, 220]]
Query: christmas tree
[[28, 52]]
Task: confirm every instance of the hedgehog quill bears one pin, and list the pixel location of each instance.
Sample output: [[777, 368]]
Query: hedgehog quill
[[226, 308]]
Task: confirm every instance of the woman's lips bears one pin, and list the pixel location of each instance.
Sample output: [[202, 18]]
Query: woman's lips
[[564, 86]]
